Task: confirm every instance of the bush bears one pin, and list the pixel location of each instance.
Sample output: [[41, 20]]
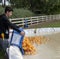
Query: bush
[[20, 12], [1, 9]]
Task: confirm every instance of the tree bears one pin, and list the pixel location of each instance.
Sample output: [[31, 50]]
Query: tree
[[38, 6]]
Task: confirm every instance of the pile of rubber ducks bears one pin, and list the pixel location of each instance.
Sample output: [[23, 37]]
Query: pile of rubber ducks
[[38, 40], [29, 49], [28, 44]]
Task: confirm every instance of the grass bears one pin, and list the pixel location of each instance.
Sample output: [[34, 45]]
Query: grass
[[46, 24]]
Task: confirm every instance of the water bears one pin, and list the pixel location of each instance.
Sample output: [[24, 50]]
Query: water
[[50, 50]]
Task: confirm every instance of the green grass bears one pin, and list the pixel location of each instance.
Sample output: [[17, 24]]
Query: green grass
[[46, 24]]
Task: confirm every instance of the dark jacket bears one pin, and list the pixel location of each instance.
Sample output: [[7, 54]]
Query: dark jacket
[[5, 24]]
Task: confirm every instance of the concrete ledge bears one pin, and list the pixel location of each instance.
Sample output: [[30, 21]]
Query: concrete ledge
[[41, 31]]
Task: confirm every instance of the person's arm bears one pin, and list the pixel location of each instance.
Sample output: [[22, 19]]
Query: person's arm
[[13, 26]]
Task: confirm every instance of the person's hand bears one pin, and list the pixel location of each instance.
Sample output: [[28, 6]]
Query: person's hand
[[22, 33]]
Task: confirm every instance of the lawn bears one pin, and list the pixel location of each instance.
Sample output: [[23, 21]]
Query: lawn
[[46, 24]]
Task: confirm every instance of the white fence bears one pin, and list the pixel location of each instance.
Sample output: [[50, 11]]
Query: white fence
[[35, 20]]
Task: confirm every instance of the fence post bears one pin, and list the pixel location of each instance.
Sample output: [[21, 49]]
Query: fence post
[[31, 20]]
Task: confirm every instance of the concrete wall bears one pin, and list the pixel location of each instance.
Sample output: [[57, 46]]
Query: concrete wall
[[41, 31]]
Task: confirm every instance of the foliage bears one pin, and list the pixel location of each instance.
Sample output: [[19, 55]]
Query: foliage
[[38, 6]]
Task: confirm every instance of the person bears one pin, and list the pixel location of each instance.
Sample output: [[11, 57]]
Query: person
[[16, 50], [5, 25]]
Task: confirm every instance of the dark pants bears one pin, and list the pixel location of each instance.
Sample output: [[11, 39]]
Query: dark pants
[[3, 46]]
